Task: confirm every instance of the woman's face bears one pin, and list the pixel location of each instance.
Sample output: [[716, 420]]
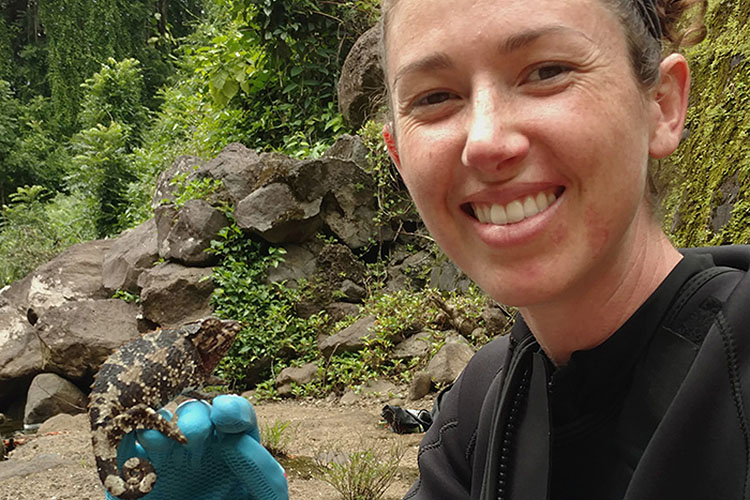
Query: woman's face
[[523, 138]]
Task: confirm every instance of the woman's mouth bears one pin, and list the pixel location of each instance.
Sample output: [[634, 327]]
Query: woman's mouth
[[515, 211]]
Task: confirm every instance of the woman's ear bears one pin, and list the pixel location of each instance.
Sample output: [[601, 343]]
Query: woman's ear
[[390, 142], [670, 100]]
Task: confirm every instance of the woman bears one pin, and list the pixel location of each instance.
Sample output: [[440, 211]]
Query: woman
[[523, 131]]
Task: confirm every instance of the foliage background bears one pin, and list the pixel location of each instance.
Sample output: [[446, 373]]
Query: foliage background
[[98, 98]]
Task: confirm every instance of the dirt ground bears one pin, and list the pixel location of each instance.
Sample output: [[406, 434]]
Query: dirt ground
[[57, 463]]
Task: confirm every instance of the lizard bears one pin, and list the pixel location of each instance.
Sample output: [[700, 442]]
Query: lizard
[[140, 377]]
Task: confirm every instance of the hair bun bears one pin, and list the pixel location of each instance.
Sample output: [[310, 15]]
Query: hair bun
[[682, 21]]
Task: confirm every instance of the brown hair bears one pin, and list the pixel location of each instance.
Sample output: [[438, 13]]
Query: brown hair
[[681, 23]]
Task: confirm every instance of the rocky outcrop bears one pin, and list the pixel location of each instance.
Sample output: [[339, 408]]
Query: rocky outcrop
[[361, 89], [130, 254], [185, 234], [61, 319], [172, 294], [350, 339], [49, 395], [78, 336]]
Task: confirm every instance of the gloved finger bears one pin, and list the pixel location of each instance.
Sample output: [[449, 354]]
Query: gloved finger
[[232, 414], [194, 420], [255, 467]]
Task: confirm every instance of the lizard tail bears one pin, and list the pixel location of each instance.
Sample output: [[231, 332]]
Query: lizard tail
[[138, 477]]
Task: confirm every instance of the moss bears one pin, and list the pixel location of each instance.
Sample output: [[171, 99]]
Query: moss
[[715, 158]]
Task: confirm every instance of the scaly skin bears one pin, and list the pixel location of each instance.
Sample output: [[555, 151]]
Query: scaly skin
[[140, 377]]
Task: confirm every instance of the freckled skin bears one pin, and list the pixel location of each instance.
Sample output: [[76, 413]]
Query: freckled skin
[[140, 377]]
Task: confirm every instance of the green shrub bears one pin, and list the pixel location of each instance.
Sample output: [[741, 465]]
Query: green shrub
[[35, 228], [101, 171], [394, 202], [271, 332], [114, 94], [275, 437], [360, 475]]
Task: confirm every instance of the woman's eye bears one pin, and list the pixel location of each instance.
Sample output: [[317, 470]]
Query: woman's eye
[[548, 72], [434, 98]]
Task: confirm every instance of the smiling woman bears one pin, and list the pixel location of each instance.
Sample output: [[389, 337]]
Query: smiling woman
[[523, 130]]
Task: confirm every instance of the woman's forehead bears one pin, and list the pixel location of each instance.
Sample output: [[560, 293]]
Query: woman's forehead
[[416, 26], [415, 19]]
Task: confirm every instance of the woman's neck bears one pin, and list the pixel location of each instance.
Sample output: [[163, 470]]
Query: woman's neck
[[587, 316]]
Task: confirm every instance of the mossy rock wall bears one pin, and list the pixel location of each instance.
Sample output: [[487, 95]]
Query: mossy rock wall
[[709, 200]]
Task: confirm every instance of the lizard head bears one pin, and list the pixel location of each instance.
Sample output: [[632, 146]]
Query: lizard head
[[212, 339]]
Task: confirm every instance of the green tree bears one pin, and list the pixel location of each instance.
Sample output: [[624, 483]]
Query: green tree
[[114, 94], [9, 111], [283, 59], [36, 156], [101, 172]]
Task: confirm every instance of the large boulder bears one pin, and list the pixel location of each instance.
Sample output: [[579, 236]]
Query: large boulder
[[185, 234], [238, 168], [73, 275], [277, 215], [77, 337], [294, 199], [172, 294], [361, 85], [131, 253], [50, 395], [20, 356]]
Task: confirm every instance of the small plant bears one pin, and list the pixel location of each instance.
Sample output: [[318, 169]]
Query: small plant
[[193, 189], [128, 297], [275, 437], [360, 475]]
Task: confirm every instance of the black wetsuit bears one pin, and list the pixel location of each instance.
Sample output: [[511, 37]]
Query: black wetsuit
[[658, 411]]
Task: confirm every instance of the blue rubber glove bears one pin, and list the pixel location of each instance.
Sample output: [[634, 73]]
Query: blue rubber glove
[[222, 460]]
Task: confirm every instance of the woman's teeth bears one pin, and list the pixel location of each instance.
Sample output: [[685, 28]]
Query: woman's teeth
[[515, 211]]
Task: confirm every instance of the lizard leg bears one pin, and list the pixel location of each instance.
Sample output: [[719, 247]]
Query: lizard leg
[[142, 416]]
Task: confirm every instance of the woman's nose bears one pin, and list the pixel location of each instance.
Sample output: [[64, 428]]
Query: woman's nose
[[494, 138]]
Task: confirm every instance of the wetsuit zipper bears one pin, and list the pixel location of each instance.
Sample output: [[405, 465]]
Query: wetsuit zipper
[[525, 346]]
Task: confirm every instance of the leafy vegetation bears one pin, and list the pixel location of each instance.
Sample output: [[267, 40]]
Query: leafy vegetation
[[276, 437], [272, 334], [85, 129], [35, 226], [362, 474]]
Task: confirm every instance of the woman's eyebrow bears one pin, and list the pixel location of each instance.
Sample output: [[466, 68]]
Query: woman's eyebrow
[[437, 60], [517, 41]]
